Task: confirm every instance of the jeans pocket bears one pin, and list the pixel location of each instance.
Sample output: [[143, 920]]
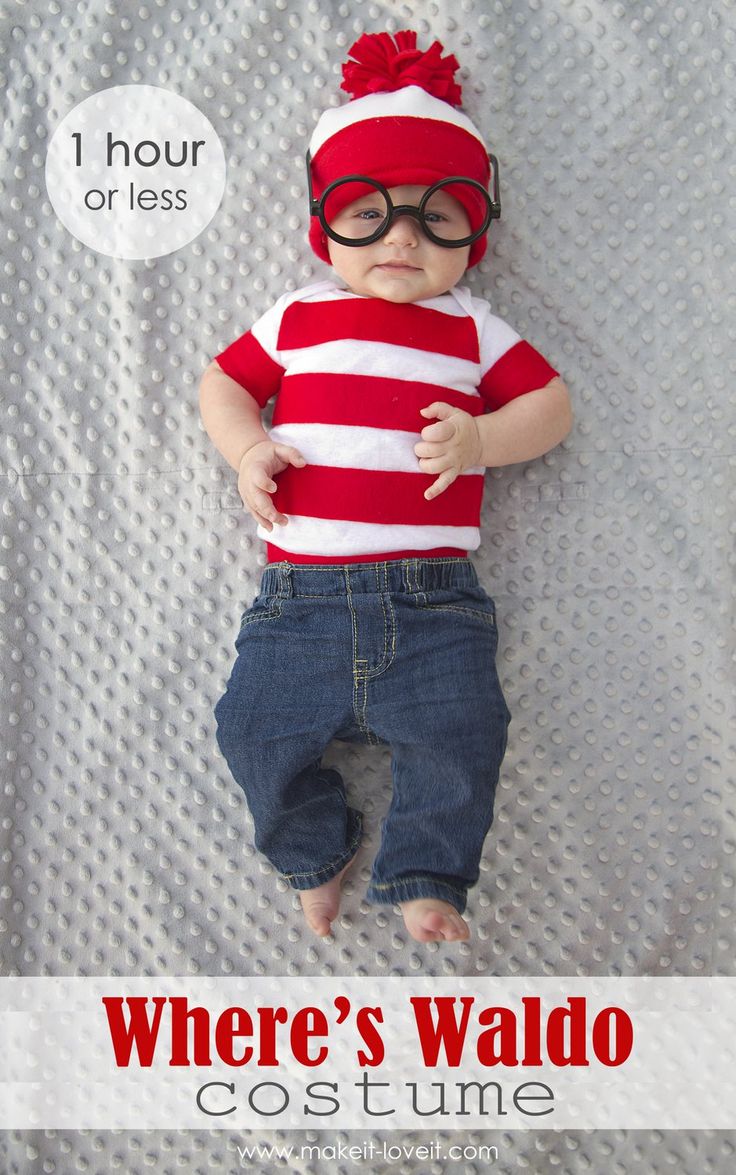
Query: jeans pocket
[[263, 608], [471, 603]]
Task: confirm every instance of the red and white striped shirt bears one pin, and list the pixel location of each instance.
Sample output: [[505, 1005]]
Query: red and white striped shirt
[[352, 374]]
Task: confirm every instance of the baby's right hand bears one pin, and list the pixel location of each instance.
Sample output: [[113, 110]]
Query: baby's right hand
[[258, 467]]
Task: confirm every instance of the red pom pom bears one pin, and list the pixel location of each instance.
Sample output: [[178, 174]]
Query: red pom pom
[[383, 63]]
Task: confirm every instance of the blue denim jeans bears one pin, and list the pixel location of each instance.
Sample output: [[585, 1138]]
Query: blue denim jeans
[[399, 653]]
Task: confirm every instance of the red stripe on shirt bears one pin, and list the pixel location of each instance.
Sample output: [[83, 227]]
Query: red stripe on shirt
[[276, 555], [364, 400], [306, 324], [520, 369], [378, 496], [248, 364]]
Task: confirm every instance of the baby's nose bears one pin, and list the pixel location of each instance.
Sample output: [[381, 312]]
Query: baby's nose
[[404, 230]]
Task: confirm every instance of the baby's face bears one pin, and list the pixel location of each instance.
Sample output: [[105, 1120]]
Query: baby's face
[[404, 265]]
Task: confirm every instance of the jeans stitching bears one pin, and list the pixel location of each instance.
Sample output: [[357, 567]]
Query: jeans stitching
[[411, 579], [351, 848], [359, 704], [317, 595], [270, 614], [488, 618], [422, 877], [410, 569], [355, 566], [388, 654]]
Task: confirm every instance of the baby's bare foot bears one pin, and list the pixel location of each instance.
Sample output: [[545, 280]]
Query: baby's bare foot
[[321, 904], [432, 920]]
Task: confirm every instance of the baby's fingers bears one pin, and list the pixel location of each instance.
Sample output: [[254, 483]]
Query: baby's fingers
[[443, 430], [289, 455], [263, 510], [439, 410], [441, 464], [440, 485], [256, 495], [261, 479], [425, 449]]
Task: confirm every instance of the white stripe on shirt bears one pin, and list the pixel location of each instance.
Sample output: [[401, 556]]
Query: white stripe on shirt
[[330, 536], [385, 360], [348, 446]]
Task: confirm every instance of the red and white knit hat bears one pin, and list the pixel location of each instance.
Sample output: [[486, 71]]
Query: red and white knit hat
[[403, 126]]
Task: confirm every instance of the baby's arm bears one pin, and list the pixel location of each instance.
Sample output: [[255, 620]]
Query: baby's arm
[[525, 428], [232, 418]]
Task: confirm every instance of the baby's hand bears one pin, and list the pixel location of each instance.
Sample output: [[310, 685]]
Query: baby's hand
[[259, 466], [449, 447]]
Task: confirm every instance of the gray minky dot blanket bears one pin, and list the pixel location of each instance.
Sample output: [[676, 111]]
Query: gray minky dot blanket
[[125, 847]]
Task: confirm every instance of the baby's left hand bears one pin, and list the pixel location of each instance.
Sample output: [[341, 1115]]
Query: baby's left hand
[[449, 447]]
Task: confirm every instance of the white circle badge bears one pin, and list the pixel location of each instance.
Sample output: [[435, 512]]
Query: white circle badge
[[135, 172]]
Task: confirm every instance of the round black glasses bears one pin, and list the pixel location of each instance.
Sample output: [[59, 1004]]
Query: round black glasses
[[357, 210]]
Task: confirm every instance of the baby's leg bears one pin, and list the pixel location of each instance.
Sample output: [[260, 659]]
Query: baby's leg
[[442, 710], [287, 695]]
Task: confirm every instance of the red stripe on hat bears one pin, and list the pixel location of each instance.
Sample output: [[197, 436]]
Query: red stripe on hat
[[521, 369], [306, 324], [367, 495], [364, 400], [400, 150], [248, 364]]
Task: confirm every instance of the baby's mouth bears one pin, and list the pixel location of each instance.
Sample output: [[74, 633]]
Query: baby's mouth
[[399, 265]]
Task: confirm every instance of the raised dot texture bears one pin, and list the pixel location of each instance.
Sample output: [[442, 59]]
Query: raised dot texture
[[125, 558]]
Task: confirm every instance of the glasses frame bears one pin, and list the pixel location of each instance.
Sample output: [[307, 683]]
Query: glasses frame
[[493, 207]]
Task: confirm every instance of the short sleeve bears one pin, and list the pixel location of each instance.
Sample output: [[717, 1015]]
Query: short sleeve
[[253, 360], [510, 366]]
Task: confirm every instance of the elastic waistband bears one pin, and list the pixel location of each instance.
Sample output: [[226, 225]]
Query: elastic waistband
[[397, 575]]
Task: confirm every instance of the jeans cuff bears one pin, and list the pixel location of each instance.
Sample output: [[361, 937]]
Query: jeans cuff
[[312, 878], [406, 889]]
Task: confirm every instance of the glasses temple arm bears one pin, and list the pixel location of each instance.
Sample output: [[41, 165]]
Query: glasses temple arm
[[496, 198], [313, 204]]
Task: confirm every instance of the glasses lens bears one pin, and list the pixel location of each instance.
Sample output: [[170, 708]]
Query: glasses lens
[[354, 210], [456, 210]]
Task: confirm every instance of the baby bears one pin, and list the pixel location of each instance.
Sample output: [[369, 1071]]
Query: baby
[[370, 624]]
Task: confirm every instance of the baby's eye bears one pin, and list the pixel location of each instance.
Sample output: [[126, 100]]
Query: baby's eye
[[368, 213], [435, 217]]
